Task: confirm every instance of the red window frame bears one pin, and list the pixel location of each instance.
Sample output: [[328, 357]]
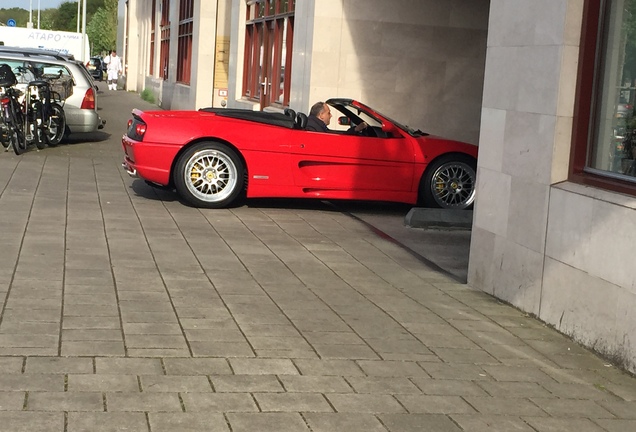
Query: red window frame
[[584, 107], [153, 21], [184, 41], [164, 28], [267, 50]]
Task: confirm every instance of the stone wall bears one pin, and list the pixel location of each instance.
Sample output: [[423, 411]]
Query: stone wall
[[554, 249]]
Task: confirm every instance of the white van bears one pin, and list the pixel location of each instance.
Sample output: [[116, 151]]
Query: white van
[[69, 43]]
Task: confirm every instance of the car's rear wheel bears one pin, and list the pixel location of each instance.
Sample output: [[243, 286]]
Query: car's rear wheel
[[209, 174], [449, 183]]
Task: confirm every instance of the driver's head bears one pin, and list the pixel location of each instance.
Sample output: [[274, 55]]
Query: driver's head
[[322, 111]]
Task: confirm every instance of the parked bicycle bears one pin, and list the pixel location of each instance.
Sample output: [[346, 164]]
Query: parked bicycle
[[33, 116], [11, 125], [45, 114]]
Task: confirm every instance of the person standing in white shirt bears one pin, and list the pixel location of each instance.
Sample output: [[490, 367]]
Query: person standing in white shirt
[[114, 68]]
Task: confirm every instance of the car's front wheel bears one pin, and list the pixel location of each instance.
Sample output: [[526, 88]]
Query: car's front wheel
[[449, 183], [209, 174]]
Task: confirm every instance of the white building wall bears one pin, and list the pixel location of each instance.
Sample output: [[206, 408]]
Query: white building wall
[[137, 36], [211, 16], [553, 249]]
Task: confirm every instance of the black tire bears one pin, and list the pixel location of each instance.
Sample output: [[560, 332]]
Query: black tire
[[39, 139], [210, 175], [5, 139], [55, 130], [37, 124], [449, 182], [19, 141], [12, 138], [19, 146]]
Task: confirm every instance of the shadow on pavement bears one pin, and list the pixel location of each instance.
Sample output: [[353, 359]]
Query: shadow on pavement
[[80, 138], [155, 193], [447, 250]]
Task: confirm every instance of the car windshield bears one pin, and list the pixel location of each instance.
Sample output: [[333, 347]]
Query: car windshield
[[354, 109]]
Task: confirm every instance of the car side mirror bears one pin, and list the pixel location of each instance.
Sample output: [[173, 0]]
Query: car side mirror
[[344, 121], [390, 129]]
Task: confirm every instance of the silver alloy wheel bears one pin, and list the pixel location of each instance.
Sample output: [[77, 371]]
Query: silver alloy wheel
[[210, 175], [453, 185]]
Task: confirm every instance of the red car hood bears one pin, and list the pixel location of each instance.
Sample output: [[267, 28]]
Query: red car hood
[[430, 145]]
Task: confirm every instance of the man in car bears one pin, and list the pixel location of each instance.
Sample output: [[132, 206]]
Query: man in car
[[320, 117]]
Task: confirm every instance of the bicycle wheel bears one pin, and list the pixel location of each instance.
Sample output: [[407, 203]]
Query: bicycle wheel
[[12, 139], [5, 130], [19, 146], [5, 139], [38, 125], [55, 125], [19, 141]]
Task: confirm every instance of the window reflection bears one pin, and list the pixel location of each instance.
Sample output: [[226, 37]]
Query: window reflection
[[268, 50], [614, 146]]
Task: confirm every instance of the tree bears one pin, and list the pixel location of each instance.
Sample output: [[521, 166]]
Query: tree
[[102, 28], [101, 18], [46, 19], [20, 16], [65, 17]]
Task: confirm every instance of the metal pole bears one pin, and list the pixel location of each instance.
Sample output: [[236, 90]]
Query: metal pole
[[78, 15], [38, 14], [30, 25], [84, 31]]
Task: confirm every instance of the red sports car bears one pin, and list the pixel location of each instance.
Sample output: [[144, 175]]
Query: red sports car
[[214, 156]]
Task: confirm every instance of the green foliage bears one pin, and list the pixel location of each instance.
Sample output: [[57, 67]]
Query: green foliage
[[101, 21], [102, 27], [63, 18], [46, 19], [21, 16], [148, 96]]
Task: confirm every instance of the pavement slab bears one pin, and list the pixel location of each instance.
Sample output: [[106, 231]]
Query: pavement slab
[[121, 308]]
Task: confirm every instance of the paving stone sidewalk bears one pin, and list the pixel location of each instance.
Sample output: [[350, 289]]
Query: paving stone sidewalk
[[125, 310]]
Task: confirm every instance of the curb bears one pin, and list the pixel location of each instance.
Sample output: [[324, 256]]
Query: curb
[[419, 217]]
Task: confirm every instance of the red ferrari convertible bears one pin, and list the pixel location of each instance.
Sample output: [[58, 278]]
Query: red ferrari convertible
[[214, 156]]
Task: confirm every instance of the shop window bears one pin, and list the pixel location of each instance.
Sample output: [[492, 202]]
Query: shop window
[[268, 48], [184, 42], [604, 135]]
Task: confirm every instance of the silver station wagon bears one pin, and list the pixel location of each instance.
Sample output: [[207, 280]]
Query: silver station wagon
[[77, 87]]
